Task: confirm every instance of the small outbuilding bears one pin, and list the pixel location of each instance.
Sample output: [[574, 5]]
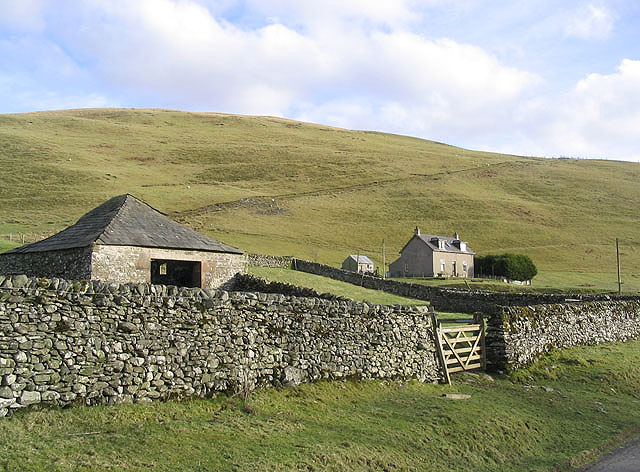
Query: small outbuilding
[[427, 255], [126, 240], [358, 263]]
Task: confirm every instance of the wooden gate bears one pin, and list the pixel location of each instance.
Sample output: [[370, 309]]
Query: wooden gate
[[460, 344]]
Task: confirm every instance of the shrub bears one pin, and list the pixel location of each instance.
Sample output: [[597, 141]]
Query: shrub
[[511, 266]]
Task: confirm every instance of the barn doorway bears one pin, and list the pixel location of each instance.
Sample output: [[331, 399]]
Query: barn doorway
[[179, 273]]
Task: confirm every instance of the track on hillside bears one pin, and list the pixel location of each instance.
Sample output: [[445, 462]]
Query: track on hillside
[[266, 202]]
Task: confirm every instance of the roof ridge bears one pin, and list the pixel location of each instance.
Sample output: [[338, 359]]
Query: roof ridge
[[120, 207], [128, 221]]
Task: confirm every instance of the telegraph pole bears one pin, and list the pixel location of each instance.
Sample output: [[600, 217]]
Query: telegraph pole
[[618, 258], [384, 265]]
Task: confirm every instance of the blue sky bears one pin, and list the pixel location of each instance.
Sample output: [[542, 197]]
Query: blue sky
[[546, 78]]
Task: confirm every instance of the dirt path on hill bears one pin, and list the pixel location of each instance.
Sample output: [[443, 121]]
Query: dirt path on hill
[[266, 200]]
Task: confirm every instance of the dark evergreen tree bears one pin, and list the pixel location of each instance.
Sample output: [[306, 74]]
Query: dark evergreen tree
[[510, 266]]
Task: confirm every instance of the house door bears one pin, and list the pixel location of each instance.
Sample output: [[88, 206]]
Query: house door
[[454, 271]]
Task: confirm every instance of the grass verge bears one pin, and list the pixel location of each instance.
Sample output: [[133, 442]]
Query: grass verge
[[551, 416], [545, 282], [327, 285]]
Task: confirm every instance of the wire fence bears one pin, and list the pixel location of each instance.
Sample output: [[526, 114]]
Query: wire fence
[[23, 238]]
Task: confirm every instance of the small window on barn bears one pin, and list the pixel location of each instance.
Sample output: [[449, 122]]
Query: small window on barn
[[163, 269]]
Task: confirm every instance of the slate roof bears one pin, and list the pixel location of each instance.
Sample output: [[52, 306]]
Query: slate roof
[[448, 244], [126, 221], [363, 259]]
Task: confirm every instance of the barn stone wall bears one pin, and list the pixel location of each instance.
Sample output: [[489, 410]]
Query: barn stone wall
[[133, 264], [90, 342], [120, 264], [68, 263]]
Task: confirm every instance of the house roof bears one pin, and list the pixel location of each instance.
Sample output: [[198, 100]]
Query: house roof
[[448, 244], [126, 221], [363, 259]]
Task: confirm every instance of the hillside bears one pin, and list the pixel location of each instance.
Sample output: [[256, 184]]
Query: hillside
[[283, 187]]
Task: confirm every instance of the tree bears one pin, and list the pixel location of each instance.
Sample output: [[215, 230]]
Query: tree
[[510, 266]]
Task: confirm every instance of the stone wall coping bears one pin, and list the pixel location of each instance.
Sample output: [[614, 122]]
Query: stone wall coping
[[35, 286]]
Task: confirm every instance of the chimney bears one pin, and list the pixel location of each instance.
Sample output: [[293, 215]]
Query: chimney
[[416, 231], [460, 244]]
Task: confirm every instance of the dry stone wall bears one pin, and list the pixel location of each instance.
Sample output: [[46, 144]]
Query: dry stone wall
[[470, 301], [405, 289], [516, 336], [265, 260], [251, 283], [92, 342], [450, 300]]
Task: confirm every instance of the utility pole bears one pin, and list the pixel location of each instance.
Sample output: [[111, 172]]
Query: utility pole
[[618, 258], [384, 264]]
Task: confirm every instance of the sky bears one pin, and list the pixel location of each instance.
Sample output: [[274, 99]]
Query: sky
[[554, 78]]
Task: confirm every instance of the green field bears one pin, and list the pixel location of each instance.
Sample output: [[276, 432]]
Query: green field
[[287, 188], [326, 285], [553, 416], [547, 282]]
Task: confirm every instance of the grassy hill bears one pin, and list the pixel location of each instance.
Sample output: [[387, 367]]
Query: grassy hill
[[283, 187]]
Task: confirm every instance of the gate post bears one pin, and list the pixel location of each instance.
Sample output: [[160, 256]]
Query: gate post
[[436, 334]]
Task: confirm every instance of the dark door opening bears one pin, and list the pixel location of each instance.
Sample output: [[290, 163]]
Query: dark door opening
[[180, 273]]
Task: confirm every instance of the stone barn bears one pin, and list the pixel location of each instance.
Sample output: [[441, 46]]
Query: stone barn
[[358, 263], [126, 240]]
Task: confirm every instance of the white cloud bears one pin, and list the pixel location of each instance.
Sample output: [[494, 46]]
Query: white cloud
[[356, 64], [324, 16], [601, 115], [46, 81], [593, 22], [22, 15], [179, 51]]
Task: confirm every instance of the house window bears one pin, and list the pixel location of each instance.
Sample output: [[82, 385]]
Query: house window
[[442, 265], [464, 267]]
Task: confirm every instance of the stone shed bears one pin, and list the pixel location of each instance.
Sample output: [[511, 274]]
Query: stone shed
[[126, 240]]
